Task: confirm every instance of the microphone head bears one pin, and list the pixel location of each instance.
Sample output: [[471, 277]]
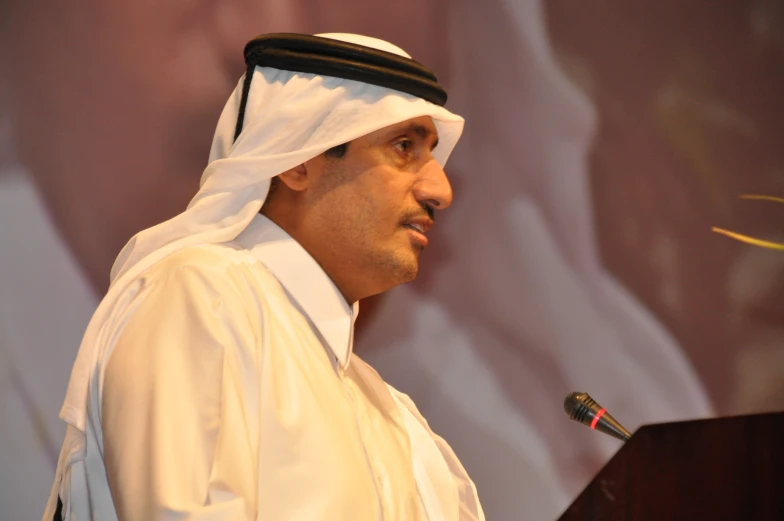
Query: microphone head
[[583, 409], [572, 404]]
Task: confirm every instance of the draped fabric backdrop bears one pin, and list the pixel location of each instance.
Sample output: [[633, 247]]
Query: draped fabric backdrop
[[603, 140]]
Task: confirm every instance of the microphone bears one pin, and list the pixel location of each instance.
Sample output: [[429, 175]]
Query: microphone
[[583, 409]]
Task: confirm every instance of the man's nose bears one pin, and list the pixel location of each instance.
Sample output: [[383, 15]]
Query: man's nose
[[432, 187]]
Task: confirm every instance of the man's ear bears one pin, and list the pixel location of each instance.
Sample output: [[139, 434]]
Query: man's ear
[[295, 179]]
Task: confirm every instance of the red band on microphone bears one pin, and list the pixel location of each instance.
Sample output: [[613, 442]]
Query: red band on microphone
[[599, 414]]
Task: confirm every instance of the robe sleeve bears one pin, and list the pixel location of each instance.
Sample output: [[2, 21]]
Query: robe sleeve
[[179, 433]]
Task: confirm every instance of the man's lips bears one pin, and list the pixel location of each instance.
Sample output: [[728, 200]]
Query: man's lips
[[418, 228], [421, 225]]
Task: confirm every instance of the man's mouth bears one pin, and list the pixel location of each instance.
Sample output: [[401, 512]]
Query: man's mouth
[[420, 224], [418, 228]]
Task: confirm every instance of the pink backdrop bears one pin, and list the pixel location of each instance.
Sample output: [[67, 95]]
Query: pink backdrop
[[603, 141]]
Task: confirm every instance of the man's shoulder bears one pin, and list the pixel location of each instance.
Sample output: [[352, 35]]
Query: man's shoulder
[[205, 257], [223, 269]]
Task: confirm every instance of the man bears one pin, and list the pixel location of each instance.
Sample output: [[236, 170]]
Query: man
[[530, 137], [216, 379]]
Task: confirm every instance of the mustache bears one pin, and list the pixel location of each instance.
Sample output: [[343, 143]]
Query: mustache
[[426, 208]]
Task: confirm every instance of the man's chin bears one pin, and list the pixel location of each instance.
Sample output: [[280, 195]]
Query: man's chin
[[394, 267], [406, 267]]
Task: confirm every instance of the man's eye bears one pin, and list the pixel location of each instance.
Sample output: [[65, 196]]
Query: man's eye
[[404, 145]]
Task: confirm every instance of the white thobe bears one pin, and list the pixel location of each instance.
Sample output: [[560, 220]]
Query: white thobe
[[228, 390]]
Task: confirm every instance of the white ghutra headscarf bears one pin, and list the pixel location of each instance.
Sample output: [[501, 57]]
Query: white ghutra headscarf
[[290, 117]]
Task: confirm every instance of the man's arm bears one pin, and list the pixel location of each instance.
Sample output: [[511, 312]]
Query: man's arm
[[178, 440]]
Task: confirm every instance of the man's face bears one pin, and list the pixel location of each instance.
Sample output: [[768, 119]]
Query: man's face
[[367, 214]]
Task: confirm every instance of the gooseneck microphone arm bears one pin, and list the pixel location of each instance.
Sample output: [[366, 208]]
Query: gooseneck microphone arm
[[583, 409]]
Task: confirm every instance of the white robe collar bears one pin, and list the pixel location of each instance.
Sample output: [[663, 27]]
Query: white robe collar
[[306, 282]]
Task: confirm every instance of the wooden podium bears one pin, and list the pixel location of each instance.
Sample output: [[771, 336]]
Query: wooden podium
[[718, 469]]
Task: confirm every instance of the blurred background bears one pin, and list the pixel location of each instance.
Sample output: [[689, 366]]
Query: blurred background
[[603, 140]]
